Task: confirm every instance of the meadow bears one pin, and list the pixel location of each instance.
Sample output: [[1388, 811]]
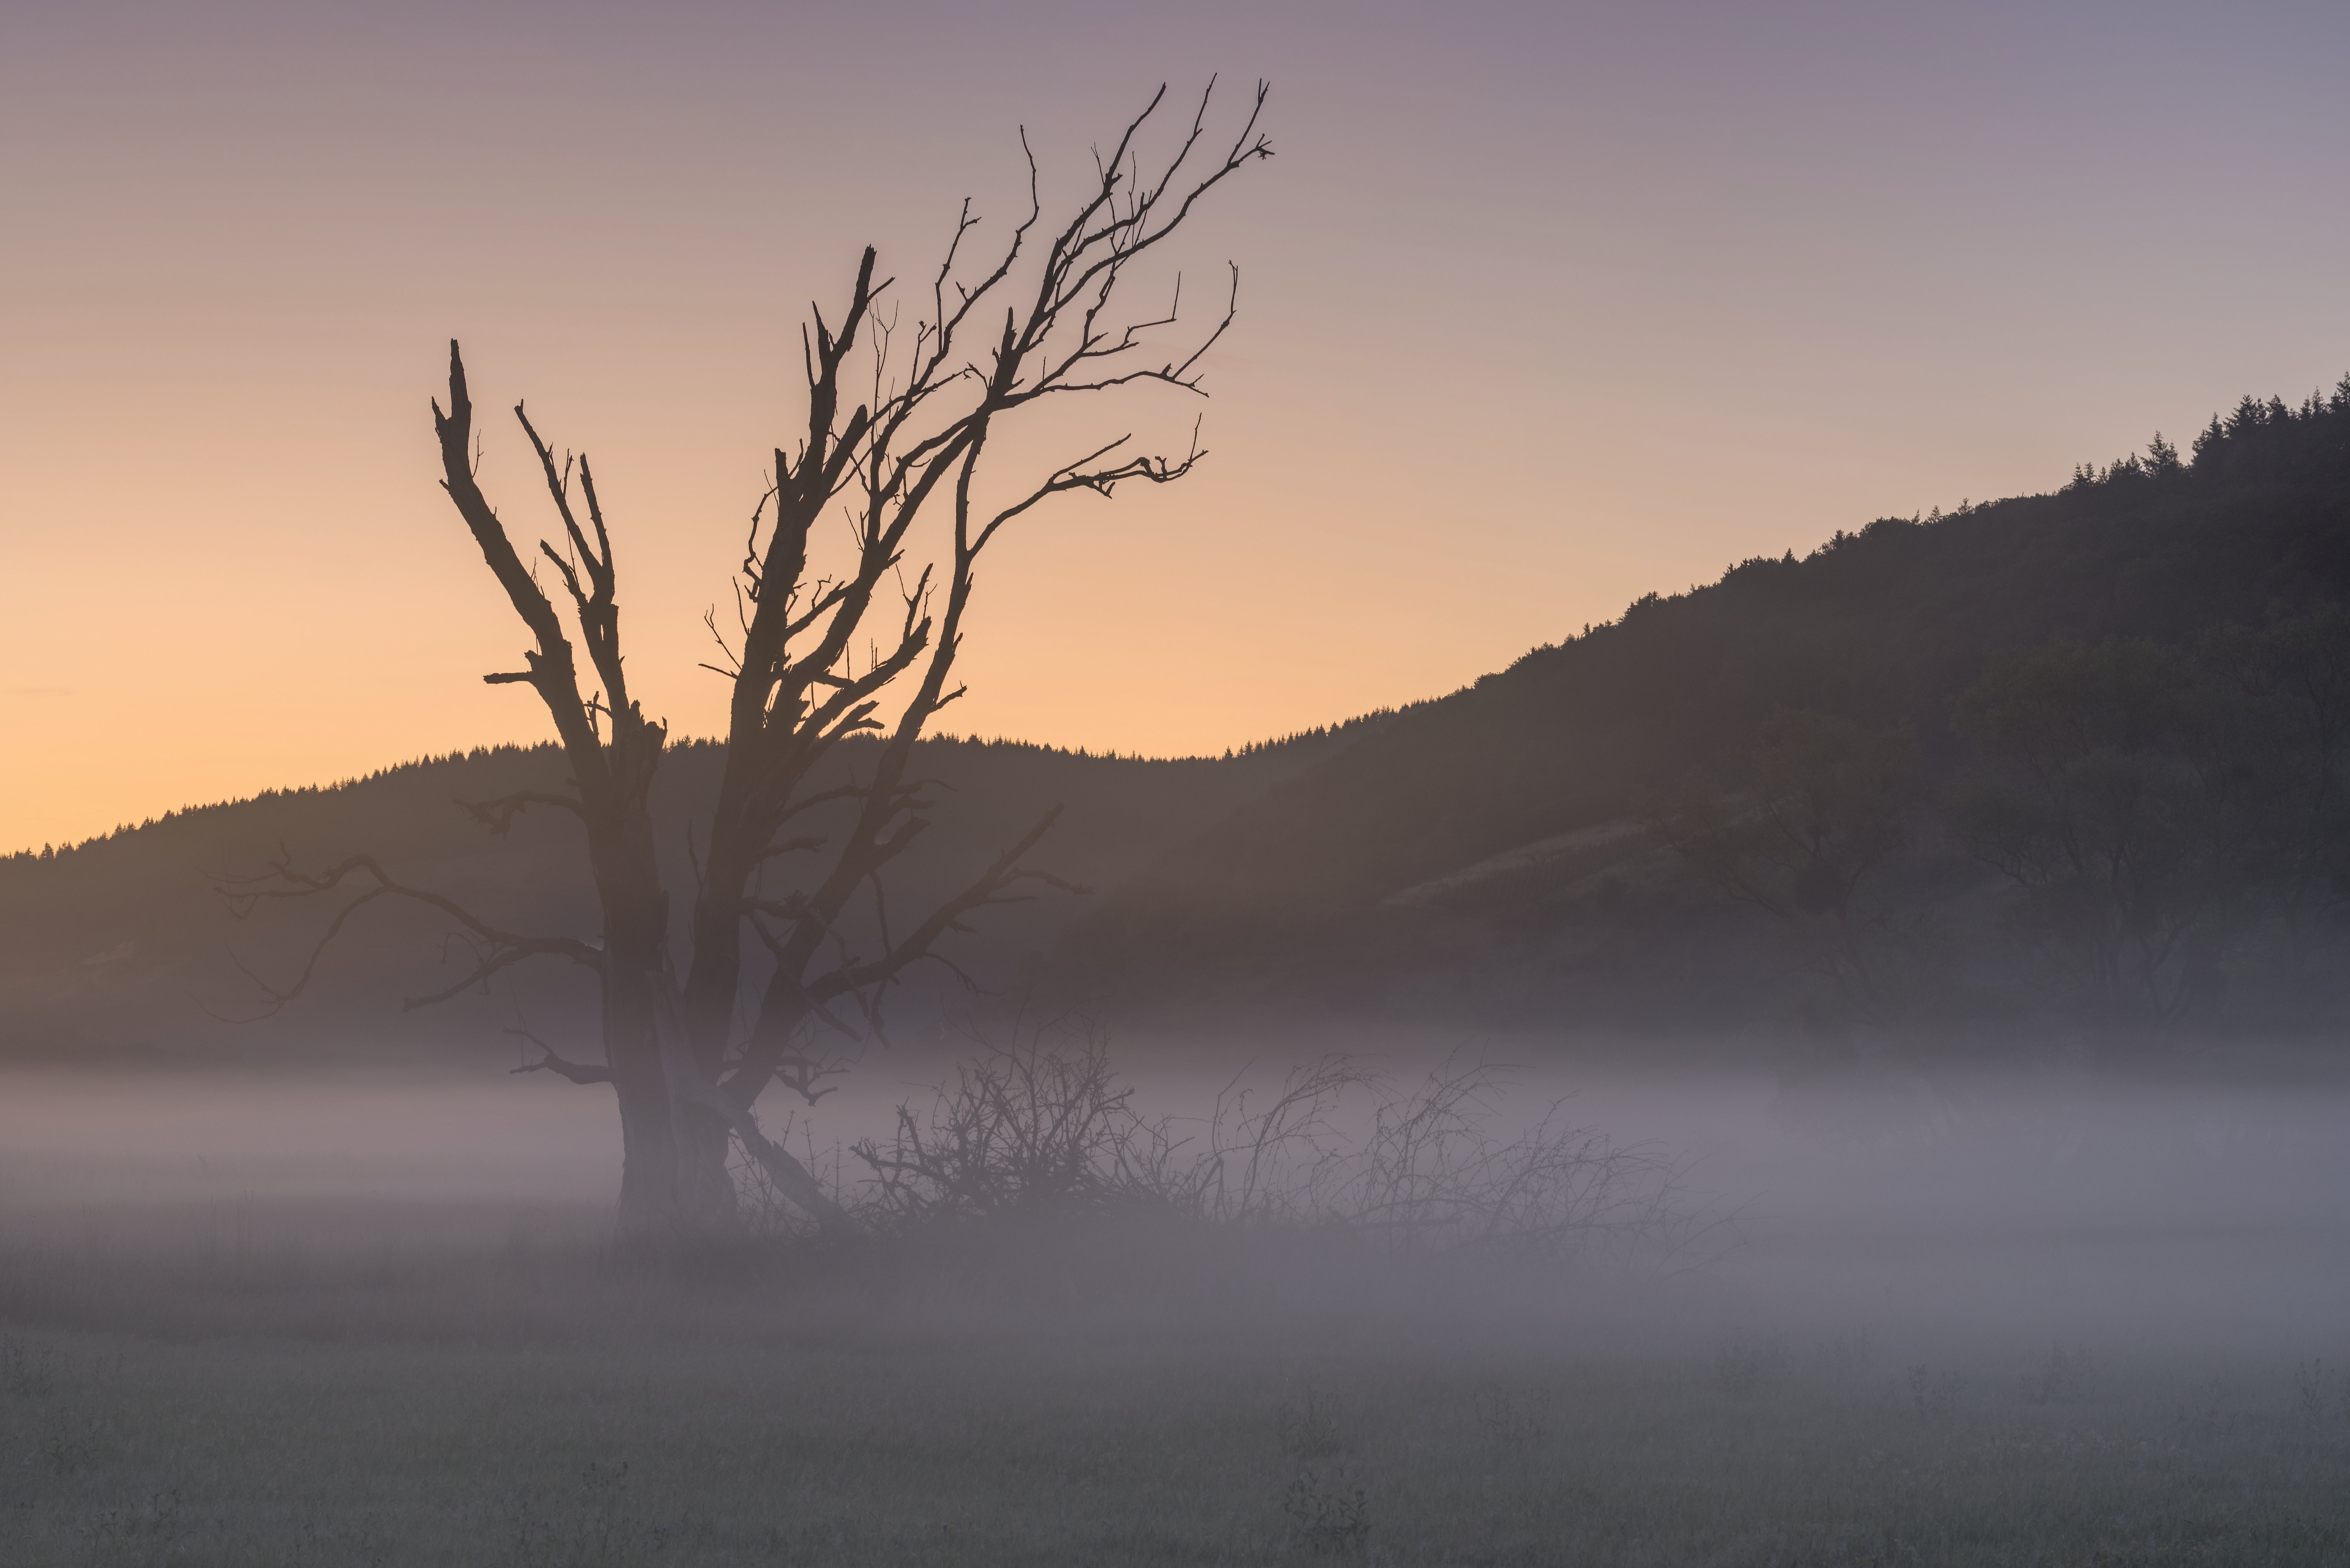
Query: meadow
[[233, 1399], [2030, 1323]]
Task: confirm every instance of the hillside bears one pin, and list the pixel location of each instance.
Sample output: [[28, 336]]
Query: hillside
[[118, 945], [1853, 793], [1456, 862]]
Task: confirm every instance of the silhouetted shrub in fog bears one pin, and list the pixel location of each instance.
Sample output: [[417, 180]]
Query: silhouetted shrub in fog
[[1044, 1132]]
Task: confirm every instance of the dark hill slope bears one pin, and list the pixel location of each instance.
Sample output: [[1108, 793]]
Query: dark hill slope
[[118, 942], [1886, 626]]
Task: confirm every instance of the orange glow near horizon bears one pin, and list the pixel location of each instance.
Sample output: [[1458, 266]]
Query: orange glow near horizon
[[1541, 310]]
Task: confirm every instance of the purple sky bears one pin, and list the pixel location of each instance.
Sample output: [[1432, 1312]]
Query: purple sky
[[1543, 307]]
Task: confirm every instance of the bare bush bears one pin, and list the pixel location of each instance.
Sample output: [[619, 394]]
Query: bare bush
[[1311, 1428], [1043, 1128], [1433, 1171], [1329, 1513], [1046, 1127]]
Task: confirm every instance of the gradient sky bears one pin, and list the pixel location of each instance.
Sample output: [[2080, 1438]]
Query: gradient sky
[[1543, 306]]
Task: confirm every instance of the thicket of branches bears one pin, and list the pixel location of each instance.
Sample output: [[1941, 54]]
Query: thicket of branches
[[1043, 1132]]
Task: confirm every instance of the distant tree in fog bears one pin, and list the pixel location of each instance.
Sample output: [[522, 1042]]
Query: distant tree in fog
[[1826, 801], [2289, 688], [2104, 805], [903, 424], [2159, 806], [1807, 815]]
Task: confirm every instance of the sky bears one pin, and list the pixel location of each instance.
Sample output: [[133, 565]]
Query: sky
[[1543, 307]]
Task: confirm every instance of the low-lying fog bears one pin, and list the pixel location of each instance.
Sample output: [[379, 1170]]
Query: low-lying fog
[[2052, 1207]]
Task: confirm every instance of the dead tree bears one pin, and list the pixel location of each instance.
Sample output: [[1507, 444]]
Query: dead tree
[[899, 426]]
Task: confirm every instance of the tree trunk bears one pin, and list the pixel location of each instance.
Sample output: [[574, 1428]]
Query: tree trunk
[[706, 1185], [648, 1161]]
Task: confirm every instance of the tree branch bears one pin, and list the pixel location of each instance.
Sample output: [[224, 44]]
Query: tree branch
[[283, 881], [498, 815], [549, 1062]]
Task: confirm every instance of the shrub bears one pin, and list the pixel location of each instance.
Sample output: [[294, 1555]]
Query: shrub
[[1045, 1128]]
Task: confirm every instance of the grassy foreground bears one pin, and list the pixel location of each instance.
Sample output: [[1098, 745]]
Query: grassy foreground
[[263, 1414]]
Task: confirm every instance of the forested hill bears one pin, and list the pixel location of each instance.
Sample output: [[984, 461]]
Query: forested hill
[[1413, 865], [2074, 756], [119, 944]]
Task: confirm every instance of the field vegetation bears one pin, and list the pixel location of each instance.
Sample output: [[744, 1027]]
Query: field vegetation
[[536, 1407], [1369, 1317]]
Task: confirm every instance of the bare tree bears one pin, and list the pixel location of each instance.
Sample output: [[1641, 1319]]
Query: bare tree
[[1823, 804], [900, 427]]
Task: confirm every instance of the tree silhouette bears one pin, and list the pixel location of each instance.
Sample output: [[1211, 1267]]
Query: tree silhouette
[[901, 424], [2159, 805], [1813, 810]]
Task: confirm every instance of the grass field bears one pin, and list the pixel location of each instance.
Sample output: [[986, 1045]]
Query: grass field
[[536, 1405], [260, 1323]]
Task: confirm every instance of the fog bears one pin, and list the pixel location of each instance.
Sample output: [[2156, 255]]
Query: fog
[[1959, 1205], [2053, 1314]]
